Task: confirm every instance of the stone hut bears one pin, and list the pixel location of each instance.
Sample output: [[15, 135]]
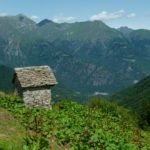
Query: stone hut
[[33, 85]]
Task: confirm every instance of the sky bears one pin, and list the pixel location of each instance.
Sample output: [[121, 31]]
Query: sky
[[115, 13]]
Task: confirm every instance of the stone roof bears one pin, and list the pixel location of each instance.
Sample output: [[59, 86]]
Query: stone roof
[[35, 76]]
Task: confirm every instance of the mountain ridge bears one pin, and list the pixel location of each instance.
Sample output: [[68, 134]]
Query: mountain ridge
[[86, 56]]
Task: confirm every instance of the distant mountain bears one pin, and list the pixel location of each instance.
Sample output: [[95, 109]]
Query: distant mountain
[[134, 96], [110, 54], [125, 30], [44, 22], [86, 57]]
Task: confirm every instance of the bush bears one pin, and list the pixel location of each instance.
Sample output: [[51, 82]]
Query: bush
[[145, 115]]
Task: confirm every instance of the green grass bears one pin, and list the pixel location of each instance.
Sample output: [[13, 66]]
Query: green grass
[[146, 139], [105, 127], [11, 132]]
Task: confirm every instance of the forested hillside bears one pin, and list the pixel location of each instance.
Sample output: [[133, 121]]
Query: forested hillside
[[134, 96]]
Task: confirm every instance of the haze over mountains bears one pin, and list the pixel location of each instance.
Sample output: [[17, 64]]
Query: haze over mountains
[[86, 56]]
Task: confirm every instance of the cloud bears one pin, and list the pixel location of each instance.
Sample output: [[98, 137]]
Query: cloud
[[34, 17], [104, 15], [131, 15], [60, 19], [3, 14]]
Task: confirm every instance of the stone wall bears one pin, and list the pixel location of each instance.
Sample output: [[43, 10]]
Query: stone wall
[[38, 97]]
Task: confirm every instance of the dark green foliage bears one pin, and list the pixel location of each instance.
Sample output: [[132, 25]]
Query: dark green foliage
[[137, 98], [134, 96], [145, 115], [105, 106], [76, 126]]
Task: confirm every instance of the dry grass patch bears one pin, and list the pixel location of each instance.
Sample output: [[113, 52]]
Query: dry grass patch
[[11, 132]]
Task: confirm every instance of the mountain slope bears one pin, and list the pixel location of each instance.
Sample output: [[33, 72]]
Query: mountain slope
[[12, 134], [103, 126], [125, 30], [86, 56], [134, 96]]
